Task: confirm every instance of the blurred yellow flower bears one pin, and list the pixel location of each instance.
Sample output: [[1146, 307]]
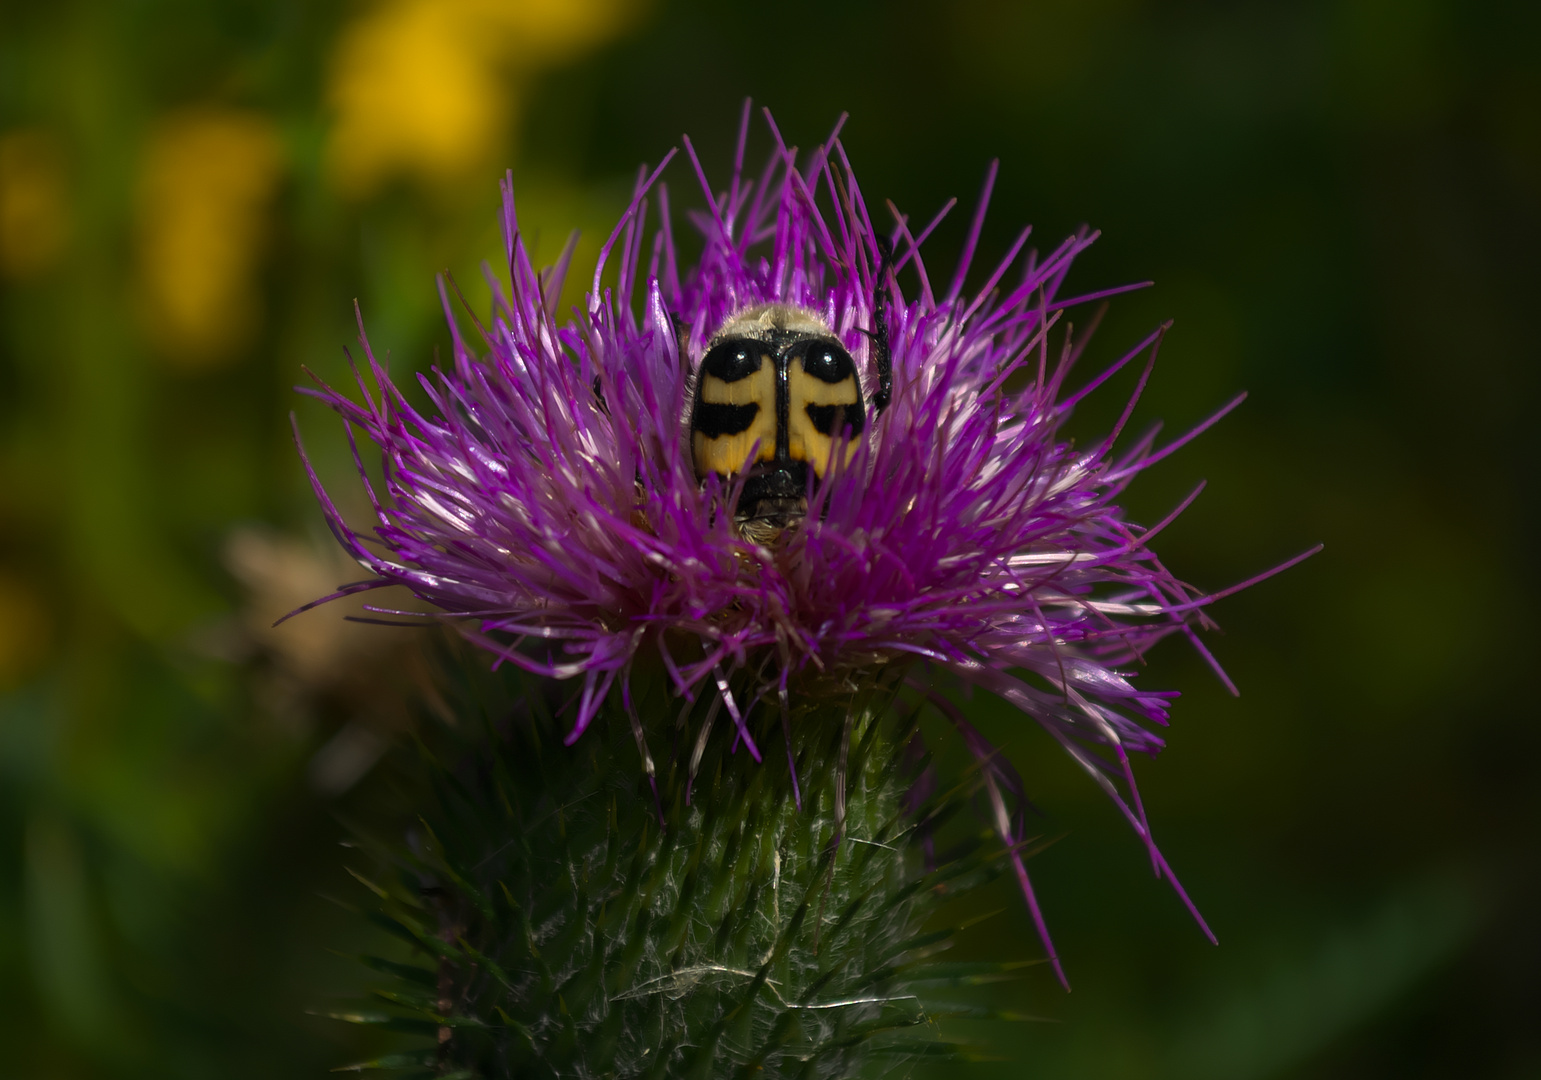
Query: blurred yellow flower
[[34, 212], [432, 88], [207, 178]]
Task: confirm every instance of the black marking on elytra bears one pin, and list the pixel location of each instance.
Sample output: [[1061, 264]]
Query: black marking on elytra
[[832, 419], [827, 362], [732, 361], [714, 419]]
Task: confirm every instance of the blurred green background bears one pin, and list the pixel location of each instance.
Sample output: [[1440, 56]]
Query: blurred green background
[[1340, 203]]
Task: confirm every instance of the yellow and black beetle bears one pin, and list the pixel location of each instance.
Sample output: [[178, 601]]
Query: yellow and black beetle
[[777, 376]]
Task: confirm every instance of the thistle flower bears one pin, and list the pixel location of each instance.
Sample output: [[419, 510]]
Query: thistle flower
[[549, 503]]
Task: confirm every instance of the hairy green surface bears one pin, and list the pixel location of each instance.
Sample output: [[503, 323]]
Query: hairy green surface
[[559, 927]]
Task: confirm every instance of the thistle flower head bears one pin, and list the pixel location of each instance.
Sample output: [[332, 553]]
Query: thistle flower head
[[548, 499]]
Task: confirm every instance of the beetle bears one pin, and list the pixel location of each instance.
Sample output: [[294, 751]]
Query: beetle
[[776, 377]]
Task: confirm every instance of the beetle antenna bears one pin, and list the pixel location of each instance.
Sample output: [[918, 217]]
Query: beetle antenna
[[879, 334]]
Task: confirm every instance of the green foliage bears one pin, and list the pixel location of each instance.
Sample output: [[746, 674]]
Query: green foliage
[[561, 922]]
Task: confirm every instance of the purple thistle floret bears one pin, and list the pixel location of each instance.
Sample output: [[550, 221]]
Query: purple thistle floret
[[549, 503]]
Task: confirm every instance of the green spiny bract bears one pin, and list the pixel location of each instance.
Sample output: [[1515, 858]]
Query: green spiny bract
[[559, 928]]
